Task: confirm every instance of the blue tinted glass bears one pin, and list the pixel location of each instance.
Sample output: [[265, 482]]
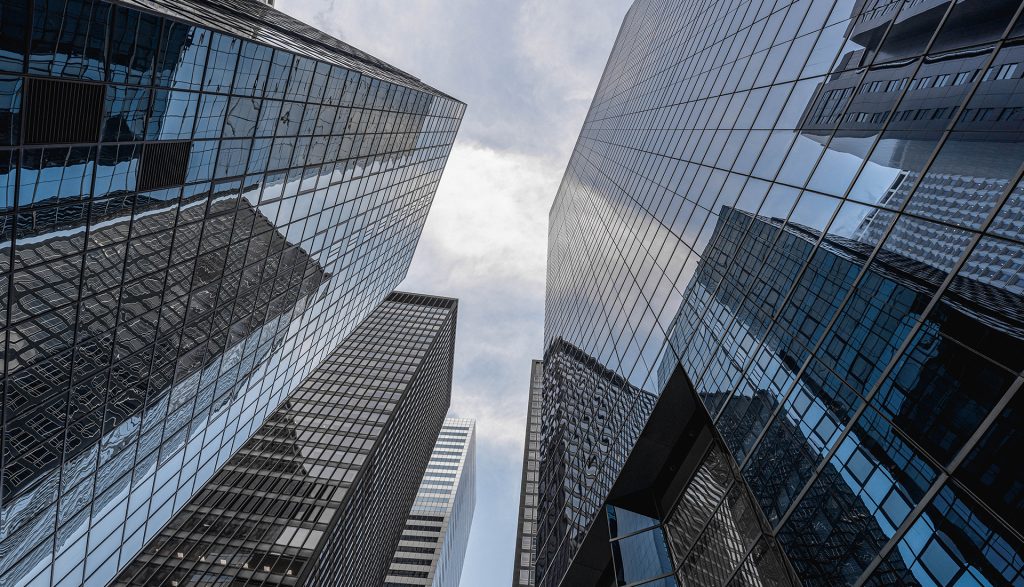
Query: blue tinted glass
[[133, 46], [201, 160], [277, 78], [233, 157], [116, 169], [182, 56], [954, 541], [210, 118], [10, 110], [301, 78], [68, 38], [253, 69], [641, 556], [55, 174], [622, 521], [125, 116], [8, 178], [173, 115], [13, 25], [220, 66]]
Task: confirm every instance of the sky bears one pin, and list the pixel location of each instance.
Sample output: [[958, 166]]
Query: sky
[[527, 70]]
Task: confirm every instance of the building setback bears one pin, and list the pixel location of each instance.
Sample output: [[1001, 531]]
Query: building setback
[[198, 202], [433, 544], [799, 228], [526, 530], [319, 494]]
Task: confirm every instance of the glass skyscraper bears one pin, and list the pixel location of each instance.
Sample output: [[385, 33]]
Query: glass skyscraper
[[800, 227], [199, 202], [432, 548], [526, 531], [319, 494]]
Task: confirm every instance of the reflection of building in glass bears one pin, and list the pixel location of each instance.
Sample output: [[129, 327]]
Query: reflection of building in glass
[[810, 213], [591, 414], [908, 105], [319, 494], [432, 547], [189, 222], [526, 532]]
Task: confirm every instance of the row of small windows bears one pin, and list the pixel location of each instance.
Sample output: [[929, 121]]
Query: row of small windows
[[995, 72], [1007, 114]]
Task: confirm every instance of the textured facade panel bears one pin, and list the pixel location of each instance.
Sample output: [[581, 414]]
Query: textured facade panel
[[318, 495], [432, 548], [223, 213], [815, 210], [526, 530]]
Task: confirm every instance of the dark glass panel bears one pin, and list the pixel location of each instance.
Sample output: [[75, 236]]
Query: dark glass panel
[[133, 46], [69, 39], [10, 110]]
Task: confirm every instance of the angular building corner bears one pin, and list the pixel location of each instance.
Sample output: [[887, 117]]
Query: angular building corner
[[432, 547], [784, 320], [200, 201]]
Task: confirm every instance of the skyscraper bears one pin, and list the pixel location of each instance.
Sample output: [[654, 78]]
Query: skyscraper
[[199, 201], [526, 530], [799, 226], [432, 547], [319, 494]]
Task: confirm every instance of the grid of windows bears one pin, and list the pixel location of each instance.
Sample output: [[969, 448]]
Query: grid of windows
[[526, 532], [590, 419], [816, 210], [442, 513], [318, 491], [189, 221]]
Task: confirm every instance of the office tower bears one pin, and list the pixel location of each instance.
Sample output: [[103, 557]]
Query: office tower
[[800, 226], [319, 494], [199, 201], [432, 547], [526, 530], [591, 415]]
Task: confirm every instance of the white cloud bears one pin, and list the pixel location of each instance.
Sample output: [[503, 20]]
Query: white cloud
[[488, 222]]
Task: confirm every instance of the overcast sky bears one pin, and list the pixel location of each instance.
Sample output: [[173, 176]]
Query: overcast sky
[[527, 70]]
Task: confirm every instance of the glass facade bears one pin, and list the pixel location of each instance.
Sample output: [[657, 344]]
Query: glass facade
[[526, 532], [591, 417], [432, 547], [319, 494], [190, 221], [815, 211]]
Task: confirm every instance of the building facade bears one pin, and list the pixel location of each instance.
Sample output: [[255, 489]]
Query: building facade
[[526, 529], [198, 202], [432, 546], [800, 226], [319, 494]]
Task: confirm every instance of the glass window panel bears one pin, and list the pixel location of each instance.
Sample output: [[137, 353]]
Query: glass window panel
[[69, 39], [182, 56]]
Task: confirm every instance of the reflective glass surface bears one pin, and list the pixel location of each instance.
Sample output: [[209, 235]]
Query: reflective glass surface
[[815, 209], [189, 223]]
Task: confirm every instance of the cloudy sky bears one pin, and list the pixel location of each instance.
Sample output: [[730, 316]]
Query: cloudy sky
[[527, 70]]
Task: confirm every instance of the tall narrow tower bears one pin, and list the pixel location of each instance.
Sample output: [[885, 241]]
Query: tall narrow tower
[[433, 545]]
